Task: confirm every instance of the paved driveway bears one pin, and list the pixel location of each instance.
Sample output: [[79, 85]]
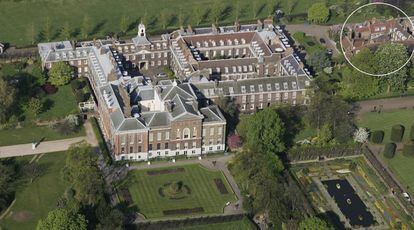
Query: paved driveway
[[314, 30]]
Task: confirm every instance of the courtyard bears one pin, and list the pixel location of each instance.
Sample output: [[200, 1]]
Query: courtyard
[[186, 190]]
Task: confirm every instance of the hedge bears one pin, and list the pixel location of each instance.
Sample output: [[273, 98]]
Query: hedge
[[101, 141], [310, 152], [397, 133], [389, 150], [377, 136], [408, 149], [412, 132]]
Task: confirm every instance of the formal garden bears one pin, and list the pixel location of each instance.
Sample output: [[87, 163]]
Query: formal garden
[[37, 191], [393, 132], [190, 190], [386, 210], [34, 108]]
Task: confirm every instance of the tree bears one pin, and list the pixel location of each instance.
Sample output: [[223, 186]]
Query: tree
[[237, 11], [60, 73], [82, 172], [180, 17], [388, 58], [319, 60], [8, 173], [66, 31], [86, 27], [47, 33], [227, 106], [124, 24], [270, 7], [31, 33], [290, 6], [255, 9], [34, 106], [62, 219], [164, 18], [7, 99], [361, 135], [32, 170], [266, 132], [216, 11], [313, 223], [318, 13], [198, 13]]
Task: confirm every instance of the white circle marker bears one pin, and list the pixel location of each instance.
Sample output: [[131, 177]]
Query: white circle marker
[[342, 31]]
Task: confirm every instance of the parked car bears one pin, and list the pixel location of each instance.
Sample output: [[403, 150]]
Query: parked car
[[161, 75]]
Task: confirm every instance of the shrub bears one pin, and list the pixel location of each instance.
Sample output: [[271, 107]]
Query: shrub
[[80, 96], [408, 149], [377, 136], [76, 84], [49, 88], [412, 133], [389, 150], [397, 133]]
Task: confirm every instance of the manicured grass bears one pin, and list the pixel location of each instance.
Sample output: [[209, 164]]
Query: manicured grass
[[144, 190], [244, 224], [29, 133], [105, 15], [403, 168], [35, 200], [385, 120], [310, 44], [60, 104]]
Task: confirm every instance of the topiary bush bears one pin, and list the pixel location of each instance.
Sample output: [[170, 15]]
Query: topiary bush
[[408, 149], [377, 136], [80, 96], [389, 150], [412, 132], [397, 133], [75, 84]]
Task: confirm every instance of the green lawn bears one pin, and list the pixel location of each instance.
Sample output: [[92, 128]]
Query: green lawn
[[61, 104], [403, 168], [144, 190], [105, 16], [385, 120], [310, 44], [244, 224], [29, 133], [35, 200]]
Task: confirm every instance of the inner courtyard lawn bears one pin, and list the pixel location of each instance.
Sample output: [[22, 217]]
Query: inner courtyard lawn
[[385, 120], [60, 104], [34, 200], [203, 192]]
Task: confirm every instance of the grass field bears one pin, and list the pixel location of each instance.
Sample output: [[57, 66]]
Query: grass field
[[244, 224], [310, 44], [385, 120], [35, 200], [60, 104], [403, 168], [29, 133], [17, 17], [144, 190]]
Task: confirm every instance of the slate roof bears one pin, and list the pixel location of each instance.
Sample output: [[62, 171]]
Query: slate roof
[[131, 124], [252, 86], [212, 114]]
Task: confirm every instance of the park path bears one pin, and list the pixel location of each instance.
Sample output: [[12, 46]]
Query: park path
[[317, 31], [385, 104], [48, 146]]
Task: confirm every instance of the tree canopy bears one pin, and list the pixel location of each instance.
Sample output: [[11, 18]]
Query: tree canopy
[[314, 223], [82, 171], [388, 58], [318, 13], [60, 73], [7, 99], [319, 60], [62, 219]]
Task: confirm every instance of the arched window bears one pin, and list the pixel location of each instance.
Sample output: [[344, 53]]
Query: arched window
[[186, 133]]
